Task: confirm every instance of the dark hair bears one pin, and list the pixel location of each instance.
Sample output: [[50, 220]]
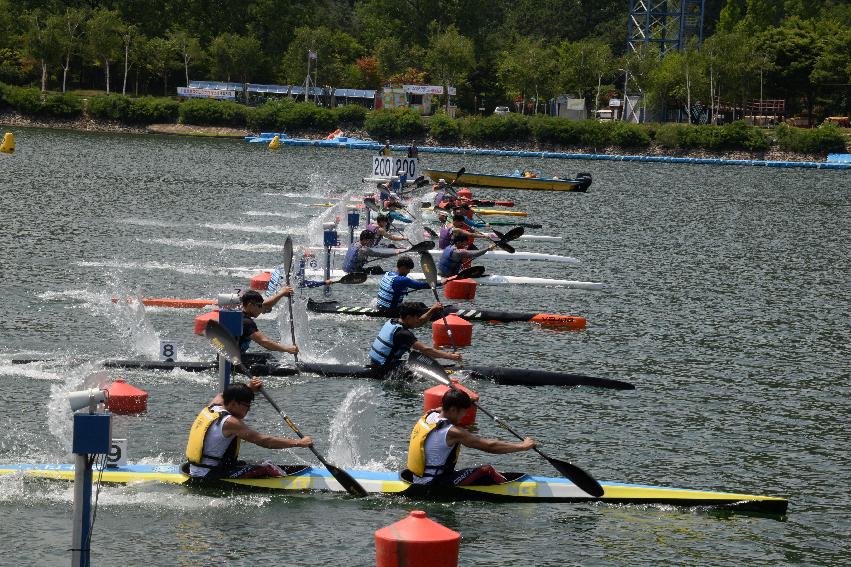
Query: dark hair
[[458, 217], [239, 393], [415, 308], [366, 235], [456, 399], [460, 238], [405, 262], [252, 296], [381, 217]]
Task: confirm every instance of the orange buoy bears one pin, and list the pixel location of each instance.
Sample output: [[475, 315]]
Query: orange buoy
[[178, 303], [417, 541], [201, 321], [125, 399], [460, 289], [260, 281], [462, 331], [433, 397], [550, 320], [465, 193]]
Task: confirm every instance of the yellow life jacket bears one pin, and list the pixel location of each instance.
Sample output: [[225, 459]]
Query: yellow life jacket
[[198, 433], [416, 449]]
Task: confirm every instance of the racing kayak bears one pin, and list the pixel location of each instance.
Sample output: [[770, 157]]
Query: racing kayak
[[535, 237], [477, 210], [494, 279], [493, 255], [263, 364], [580, 184], [520, 487], [546, 319]]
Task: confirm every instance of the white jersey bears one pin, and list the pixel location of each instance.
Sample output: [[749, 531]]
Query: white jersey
[[437, 452], [215, 443]]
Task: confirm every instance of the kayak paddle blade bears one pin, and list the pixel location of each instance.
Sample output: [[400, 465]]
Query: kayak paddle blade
[[471, 272], [288, 257], [459, 174], [353, 278], [423, 246], [347, 481], [513, 234], [577, 476], [429, 269], [224, 342], [426, 367], [431, 233]]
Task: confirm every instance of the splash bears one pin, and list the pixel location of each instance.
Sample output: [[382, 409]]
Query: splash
[[351, 427], [268, 229], [191, 243]]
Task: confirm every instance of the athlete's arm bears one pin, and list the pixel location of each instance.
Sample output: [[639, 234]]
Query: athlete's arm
[[267, 343], [235, 426], [270, 302], [460, 435], [436, 353]]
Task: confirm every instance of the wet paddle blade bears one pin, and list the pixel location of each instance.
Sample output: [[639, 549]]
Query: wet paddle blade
[[288, 257], [224, 342], [514, 233], [426, 367], [430, 232], [459, 174], [577, 476], [471, 272], [353, 278], [429, 269], [423, 246], [347, 481]]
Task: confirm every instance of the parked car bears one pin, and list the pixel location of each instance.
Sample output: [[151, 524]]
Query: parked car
[[501, 110]]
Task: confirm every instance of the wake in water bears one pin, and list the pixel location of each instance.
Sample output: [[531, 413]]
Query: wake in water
[[190, 243]]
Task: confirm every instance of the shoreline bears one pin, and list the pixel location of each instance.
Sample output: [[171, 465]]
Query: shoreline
[[654, 152]]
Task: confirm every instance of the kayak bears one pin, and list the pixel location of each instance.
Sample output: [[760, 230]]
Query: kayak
[[545, 319], [494, 279], [488, 212], [580, 184], [520, 487], [265, 365], [492, 255], [530, 237]]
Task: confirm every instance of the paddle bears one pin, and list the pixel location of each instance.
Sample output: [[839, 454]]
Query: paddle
[[430, 272], [224, 342], [430, 368], [288, 264], [353, 278], [419, 248], [504, 239], [511, 223]]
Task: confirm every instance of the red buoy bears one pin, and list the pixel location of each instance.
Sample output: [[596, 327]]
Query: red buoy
[[465, 193], [462, 331], [201, 321], [433, 397], [260, 282], [460, 289], [417, 541], [125, 399]]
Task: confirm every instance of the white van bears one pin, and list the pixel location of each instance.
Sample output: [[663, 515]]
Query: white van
[[501, 110]]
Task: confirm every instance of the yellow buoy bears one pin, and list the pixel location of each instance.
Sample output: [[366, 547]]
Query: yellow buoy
[[275, 143], [8, 145]]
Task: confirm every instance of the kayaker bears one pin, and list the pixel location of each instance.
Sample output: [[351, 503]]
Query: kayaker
[[459, 226], [394, 286], [457, 254], [393, 206], [254, 305], [360, 252], [385, 151], [213, 446], [381, 229], [395, 338], [436, 443], [413, 151]]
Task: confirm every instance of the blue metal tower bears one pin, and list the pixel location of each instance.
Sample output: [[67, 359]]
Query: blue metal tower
[[669, 24]]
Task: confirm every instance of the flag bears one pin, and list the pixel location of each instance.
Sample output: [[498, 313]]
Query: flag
[[311, 54]]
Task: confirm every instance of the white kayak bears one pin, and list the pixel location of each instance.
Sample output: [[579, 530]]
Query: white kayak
[[485, 280], [492, 255]]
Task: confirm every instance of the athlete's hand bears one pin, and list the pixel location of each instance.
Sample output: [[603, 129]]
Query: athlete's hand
[[307, 441], [292, 349], [255, 384], [456, 356], [287, 291], [528, 443]]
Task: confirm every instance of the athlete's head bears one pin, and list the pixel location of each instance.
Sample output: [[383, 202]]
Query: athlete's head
[[460, 240], [237, 399], [404, 265], [410, 313], [382, 218], [366, 237], [455, 404], [252, 303]]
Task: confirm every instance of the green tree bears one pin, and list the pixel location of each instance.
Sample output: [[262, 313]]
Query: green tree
[[527, 67], [162, 59], [70, 27], [104, 33], [132, 41], [39, 42], [336, 53], [582, 66], [450, 59], [187, 45]]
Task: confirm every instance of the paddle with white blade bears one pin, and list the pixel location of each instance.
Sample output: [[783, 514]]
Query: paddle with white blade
[[430, 368], [224, 342], [288, 264]]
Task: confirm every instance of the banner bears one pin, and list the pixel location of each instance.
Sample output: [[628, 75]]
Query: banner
[[206, 93], [426, 89]]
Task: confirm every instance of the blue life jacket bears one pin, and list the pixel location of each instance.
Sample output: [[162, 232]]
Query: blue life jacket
[[388, 298], [447, 266], [350, 261], [382, 352]]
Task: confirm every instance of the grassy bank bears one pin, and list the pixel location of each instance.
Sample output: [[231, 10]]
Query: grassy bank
[[204, 117]]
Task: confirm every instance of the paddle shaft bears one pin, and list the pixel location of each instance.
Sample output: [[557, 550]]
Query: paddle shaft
[[293, 426], [290, 301]]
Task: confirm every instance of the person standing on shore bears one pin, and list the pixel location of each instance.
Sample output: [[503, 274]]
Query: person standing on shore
[[385, 151], [413, 151]]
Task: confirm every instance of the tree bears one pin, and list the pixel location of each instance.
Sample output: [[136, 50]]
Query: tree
[[162, 58], [450, 59], [336, 53], [526, 67], [370, 72], [582, 66], [39, 42], [187, 45], [105, 41], [69, 34], [132, 40], [237, 55]]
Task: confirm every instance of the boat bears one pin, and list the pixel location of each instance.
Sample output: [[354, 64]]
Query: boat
[[545, 319], [491, 212], [492, 255], [520, 487], [494, 279], [264, 364], [580, 184]]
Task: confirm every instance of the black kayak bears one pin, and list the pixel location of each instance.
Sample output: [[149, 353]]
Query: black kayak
[[488, 315], [262, 365]]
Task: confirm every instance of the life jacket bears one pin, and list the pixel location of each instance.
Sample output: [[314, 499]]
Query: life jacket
[[382, 352], [350, 261], [444, 237], [198, 434], [447, 265], [417, 449], [388, 298]]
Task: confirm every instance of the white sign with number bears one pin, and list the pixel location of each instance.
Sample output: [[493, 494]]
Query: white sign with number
[[389, 166], [117, 456], [168, 351]]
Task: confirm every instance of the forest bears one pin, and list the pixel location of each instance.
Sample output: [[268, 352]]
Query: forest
[[515, 53]]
